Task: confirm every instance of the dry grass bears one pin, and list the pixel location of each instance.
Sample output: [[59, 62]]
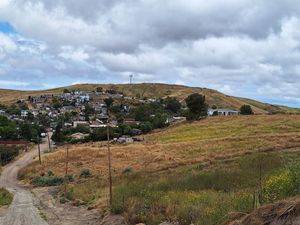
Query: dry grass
[[204, 141]]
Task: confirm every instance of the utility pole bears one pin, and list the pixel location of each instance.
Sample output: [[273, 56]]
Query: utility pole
[[49, 143], [130, 78], [66, 169], [109, 165], [39, 149]]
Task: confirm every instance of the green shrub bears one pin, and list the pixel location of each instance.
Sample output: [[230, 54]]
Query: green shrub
[[127, 170], [85, 173], [50, 173], [294, 170], [5, 197], [278, 186], [43, 181], [62, 200], [70, 178], [69, 194]]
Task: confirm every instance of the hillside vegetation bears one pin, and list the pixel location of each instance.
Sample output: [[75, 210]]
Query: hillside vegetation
[[157, 91], [202, 141], [192, 173]]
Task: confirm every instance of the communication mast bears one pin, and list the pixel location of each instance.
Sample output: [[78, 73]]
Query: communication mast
[[130, 78]]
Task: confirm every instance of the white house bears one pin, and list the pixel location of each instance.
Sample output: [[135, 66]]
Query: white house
[[84, 98], [222, 112], [2, 112], [81, 123], [24, 113]]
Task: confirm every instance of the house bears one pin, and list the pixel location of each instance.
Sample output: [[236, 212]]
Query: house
[[222, 112], [176, 119], [97, 124], [130, 121], [53, 125], [2, 112], [124, 140], [67, 124], [35, 112], [67, 109], [102, 109], [78, 136], [84, 98], [117, 96], [24, 113], [135, 132], [80, 123]]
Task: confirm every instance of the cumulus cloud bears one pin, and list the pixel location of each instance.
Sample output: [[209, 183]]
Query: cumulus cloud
[[241, 47]]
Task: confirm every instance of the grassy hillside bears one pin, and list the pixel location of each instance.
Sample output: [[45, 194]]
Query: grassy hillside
[[157, 91], [203, 141], [194, 172]]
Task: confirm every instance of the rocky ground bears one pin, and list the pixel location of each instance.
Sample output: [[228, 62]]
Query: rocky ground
[[56, 213]]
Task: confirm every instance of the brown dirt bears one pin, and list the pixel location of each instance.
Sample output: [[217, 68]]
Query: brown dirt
[[64, 214]]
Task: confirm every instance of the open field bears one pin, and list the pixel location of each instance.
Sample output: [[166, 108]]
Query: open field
[[203, 141], [194, 172], [213, 97]]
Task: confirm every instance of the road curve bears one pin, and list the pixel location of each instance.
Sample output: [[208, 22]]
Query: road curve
[[22, 210]]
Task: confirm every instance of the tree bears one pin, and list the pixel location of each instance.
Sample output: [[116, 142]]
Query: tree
[[58, 135], [8, 129], [146, 127], [88, 110], [6, 155], [99, 89], [108, 102], [127, 130], [30, 116], [197, 106], [246, 110], [100, 134], [30, 131], [172, 105], [56, 103], [13, 110], [159, 121], [215, 113], [66, 91]]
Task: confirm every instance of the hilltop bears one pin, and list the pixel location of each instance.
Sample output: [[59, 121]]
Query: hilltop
[[155, 90]]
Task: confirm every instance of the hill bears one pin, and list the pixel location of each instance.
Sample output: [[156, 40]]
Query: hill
[[192, 173], [155, 90]]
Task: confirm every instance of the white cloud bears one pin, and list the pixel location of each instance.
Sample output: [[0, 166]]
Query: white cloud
[[7, 45], [68, 52], [6, 83], [242, 47]]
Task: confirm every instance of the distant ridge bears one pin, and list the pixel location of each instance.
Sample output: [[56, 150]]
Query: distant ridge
[[157, 90]]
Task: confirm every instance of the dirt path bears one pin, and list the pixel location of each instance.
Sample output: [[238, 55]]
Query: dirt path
[[64, 214], [22, 210]]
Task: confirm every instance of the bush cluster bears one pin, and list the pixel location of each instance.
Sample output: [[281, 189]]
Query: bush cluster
[[85, 173], [284, 184], [43, 181]]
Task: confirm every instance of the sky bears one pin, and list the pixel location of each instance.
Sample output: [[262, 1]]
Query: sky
[[246, 48]]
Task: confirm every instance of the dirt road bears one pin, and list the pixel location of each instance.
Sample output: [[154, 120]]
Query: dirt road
[[22, 210]]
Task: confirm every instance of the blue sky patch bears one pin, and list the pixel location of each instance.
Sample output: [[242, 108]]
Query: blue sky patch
[[6, 27]]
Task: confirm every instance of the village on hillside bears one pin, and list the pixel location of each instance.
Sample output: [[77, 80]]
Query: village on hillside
[[76, 116]]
